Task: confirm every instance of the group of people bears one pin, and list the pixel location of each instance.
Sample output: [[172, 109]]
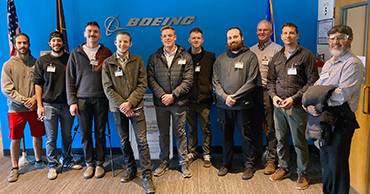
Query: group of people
[[254, 89]]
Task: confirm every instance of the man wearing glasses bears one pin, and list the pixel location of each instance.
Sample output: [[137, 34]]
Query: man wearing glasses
[[344, 71]]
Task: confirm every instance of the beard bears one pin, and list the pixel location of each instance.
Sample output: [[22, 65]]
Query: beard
[[336, 52], [22, 50], [234, 46], [56, 49]]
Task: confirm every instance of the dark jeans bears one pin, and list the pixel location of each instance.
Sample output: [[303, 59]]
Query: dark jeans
[[139, 126], [55, 114], [334, 162], [93, 109], [242, 119], [200, 111], [269, 127], [178, 115]]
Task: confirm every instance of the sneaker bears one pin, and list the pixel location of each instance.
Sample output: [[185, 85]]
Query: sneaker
[[72, 165], [161, 169], [148, 184], [279, 174], [222, 171], [39, 164], [128, 174], [185, 171], [13, 175], [191, 158], [52, 174], [302, 182], [89, 172], [248, 173], [99, 171], [207, 161], [269, 168]]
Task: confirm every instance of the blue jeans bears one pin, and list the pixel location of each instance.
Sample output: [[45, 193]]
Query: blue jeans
[[291, 120], [53, 114]]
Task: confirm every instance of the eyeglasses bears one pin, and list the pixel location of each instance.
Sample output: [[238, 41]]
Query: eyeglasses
[[339, 37]]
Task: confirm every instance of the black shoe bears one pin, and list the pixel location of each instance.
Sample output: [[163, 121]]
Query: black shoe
[[148, 184], [128, 174], [248, 173], [222, 171]]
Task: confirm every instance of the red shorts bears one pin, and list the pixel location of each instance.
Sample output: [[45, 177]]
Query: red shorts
[[17, 122]]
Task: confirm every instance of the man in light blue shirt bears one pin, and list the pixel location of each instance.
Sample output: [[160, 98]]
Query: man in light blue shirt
[[344, 71]]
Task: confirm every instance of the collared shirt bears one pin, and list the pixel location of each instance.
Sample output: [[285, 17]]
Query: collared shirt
[[122, 60], [169, 56], [347, 74], [291, 77], [264, 53]]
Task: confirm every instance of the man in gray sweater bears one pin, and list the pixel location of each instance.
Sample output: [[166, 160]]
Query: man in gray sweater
[[265, 49], [236, 78]]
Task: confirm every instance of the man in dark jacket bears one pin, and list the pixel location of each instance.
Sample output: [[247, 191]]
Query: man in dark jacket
[[200, 97], [291, 72], [170, 77], [236, 78], [86, 97]]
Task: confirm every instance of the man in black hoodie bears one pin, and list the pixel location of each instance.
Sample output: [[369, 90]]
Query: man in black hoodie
[[236, 78], [200, 96]]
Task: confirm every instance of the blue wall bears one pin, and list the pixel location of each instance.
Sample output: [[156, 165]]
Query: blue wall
[[37, 18]]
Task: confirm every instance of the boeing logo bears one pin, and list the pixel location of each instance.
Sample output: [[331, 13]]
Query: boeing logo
[[112, 23]]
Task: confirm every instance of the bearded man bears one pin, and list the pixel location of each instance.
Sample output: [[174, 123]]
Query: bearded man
[[236, 78]]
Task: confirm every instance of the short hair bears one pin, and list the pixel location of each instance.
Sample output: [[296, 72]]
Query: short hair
[[289, 24], [21, 34], [344, 29], [92, 23], [237, 28], [196, 29], [56, 34], [265, 21], [167, 28], [124, 33]]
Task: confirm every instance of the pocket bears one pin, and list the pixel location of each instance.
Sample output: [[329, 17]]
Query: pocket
[[48, 112]]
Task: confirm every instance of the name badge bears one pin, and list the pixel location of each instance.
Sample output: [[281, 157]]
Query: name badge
[[324, 75], [182, 62], [50, 68], [292, 71], [118, 73], [239, 65], [197, 68], [94, 62], [265, 61]]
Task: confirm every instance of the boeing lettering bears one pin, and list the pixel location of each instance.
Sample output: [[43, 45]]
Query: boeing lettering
[[160, 21], [112, 23]]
